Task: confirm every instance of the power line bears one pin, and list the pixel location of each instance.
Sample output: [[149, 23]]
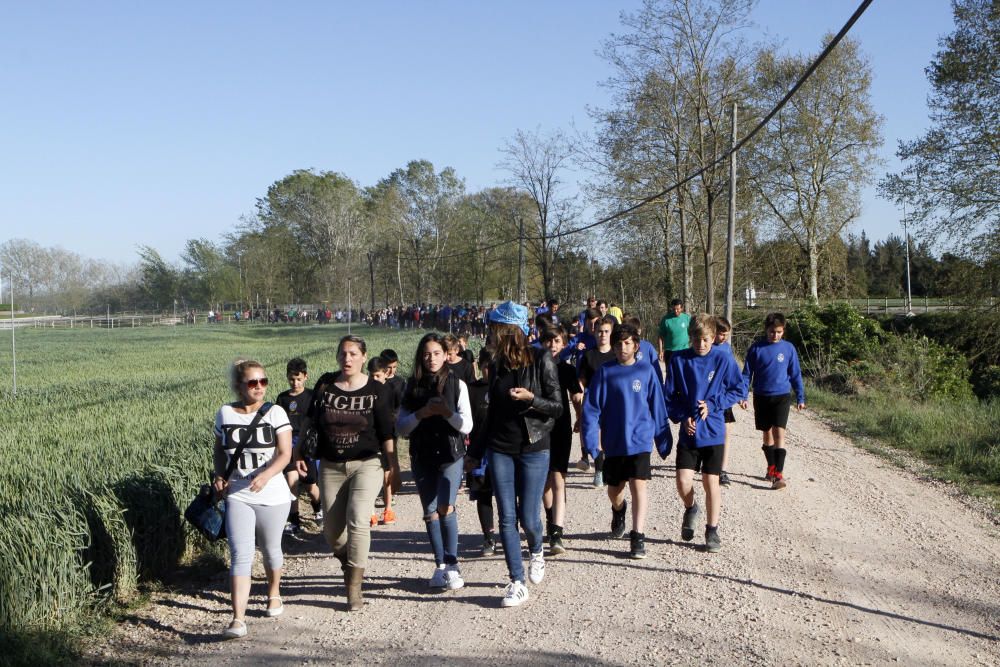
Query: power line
[[690, 177]]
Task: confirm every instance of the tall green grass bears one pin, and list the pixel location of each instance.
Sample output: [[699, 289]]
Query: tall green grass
[[960, 438], [109, 436]]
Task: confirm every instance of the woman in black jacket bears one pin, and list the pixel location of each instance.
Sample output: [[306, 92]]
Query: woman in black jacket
[[524, 404], [435, 416]]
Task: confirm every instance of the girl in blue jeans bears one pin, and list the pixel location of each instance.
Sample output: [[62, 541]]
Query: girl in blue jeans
[[523, 406], [436, 416]]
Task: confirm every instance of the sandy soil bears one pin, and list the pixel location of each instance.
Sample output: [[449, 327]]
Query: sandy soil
[[856, 562]]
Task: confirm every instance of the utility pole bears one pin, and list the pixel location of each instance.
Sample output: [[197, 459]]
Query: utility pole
[[731, 238], [909, 296]]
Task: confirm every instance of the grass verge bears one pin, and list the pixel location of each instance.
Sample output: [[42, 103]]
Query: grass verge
[[959, 440]]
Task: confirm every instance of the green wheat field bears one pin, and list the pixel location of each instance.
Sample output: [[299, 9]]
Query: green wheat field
[[108, 438]]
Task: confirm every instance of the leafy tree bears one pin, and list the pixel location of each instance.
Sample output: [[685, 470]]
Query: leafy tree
[[810, 163], [677, 72], [951, 177], [160, 282], [535, 163], [425, 203], [323, 212]]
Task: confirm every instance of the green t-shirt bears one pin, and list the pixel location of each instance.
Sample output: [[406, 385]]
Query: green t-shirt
[[674, 331]]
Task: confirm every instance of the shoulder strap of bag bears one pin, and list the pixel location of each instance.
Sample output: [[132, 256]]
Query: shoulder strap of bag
[[239, 449]]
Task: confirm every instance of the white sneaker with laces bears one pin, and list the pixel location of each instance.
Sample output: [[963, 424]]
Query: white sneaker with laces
[[438, 579], [453, 578], [515, 594], [536, 568]]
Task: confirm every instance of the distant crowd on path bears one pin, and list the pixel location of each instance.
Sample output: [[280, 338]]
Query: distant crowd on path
[[504, 432]]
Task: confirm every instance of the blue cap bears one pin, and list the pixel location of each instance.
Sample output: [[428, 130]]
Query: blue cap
[[509, 312]]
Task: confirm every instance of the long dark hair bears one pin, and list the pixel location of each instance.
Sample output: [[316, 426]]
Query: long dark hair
[[421, 376], [511, 345]]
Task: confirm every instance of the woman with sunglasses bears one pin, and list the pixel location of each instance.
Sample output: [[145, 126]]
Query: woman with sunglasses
[[524, 404], [256, 493], [352, 415]]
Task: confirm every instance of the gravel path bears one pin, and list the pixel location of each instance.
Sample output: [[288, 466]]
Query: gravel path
[[856, 562]]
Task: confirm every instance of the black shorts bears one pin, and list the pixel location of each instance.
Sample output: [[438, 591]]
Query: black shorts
[[559, 450], [620, 469], [730, 417], [706, 459], [771, 411]]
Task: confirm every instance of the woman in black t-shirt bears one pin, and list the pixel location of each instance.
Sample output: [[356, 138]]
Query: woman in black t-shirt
[[352, 415]]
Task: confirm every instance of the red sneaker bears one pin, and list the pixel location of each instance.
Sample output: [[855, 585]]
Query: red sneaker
[[778, 481]]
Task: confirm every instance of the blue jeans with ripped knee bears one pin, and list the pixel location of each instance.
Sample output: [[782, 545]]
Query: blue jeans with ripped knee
[[437, 485]]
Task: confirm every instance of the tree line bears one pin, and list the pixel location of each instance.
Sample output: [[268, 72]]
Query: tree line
[[685, 80]]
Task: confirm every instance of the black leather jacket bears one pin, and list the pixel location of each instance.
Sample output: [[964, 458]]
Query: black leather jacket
[[541, 379]]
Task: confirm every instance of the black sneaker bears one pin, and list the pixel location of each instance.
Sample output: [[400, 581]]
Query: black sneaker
[[638, 545], [556, 547], [712, 541], [618, 521], [690, 521], [489, 548], [724, 478]]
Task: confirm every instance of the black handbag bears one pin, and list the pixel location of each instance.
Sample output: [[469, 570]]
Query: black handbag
[[205, 512]]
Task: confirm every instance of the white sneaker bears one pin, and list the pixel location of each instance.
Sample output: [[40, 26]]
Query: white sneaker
[[515, 594], [319, 516], [438, 579], [453, 578], [536, 568]]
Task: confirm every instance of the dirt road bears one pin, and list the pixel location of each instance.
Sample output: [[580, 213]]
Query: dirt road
[[856, 562]]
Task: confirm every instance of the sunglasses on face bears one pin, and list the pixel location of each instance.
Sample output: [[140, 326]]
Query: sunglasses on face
[[252, 384]]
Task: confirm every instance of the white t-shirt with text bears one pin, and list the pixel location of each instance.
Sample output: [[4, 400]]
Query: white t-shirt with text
[[261, 448]]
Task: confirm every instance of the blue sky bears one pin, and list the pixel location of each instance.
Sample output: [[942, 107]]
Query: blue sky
[[127, 123]]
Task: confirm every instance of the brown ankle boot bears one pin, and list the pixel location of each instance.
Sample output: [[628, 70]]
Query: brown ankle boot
[[353, 577]]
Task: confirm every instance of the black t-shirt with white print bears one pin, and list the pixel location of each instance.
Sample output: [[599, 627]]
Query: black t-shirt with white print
[[352, 425]]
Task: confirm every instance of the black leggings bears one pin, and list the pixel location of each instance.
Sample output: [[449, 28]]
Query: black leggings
[[484, 507]]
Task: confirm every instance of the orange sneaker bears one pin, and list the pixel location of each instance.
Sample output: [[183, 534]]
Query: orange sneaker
[[388, 517], [374, 520]]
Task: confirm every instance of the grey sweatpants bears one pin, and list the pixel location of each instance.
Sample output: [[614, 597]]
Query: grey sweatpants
[[243, 522]]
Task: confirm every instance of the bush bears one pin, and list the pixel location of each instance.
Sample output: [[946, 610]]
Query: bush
[[919, 367], [831, 338]]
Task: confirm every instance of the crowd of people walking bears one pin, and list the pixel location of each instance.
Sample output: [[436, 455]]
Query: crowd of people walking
[[506, 432]]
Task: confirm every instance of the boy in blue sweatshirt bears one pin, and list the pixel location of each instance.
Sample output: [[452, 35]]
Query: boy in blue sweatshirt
[[624, 415], [772, 370], [702, 382]]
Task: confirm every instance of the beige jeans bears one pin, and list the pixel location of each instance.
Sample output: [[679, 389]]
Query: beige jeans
[[348, 491]]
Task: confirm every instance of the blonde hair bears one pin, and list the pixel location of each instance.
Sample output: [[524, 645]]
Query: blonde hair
[[701, 325], [238, 371]]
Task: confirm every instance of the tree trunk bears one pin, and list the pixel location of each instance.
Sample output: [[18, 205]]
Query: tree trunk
[[813, 254], [686, 268], [371, 275], [709, 256], [399, 270]]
